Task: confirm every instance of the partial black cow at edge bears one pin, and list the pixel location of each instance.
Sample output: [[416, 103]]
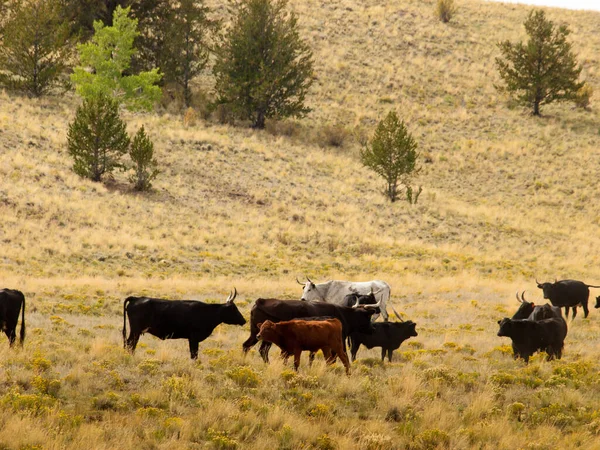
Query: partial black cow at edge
[[177, 319], [11, 301], [568, 294], [387, 335]]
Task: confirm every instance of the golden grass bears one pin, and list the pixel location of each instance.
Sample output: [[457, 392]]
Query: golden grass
[[507, 198]]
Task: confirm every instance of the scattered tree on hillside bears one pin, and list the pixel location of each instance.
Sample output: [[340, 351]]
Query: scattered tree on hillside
[[145, 166], [97, 138], [392, 154], [105, 61], [83, 13], [263, 68], [445, 10], [544, 69], [34, 46], [186, 45]]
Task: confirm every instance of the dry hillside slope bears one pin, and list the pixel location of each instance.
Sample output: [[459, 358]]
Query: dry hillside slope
[[507, 198]]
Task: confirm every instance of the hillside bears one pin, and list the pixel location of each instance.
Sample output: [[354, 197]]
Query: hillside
[[506, 198]]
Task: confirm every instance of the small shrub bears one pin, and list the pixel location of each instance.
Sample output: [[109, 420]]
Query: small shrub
[[145, 166], [179, 388], [220, 440], [432, 439], [445, 10], [244, 376], [583, 96], [333, 136], [190, 117], [325, 442]]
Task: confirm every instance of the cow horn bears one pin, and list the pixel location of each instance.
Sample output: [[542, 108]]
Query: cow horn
[[309, 280], [518, 299], [396, 312], [523, 297], [232, 296], [537, 282], [298, 281], [371, 291], [376, 305], [357, 303]]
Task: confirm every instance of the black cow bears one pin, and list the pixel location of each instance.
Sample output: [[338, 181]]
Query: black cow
[[387, 335], [177, 319], [568, 294], [355, 298], [11, 301], [531, 311], [597, 302], [353, 319], [529, 336]]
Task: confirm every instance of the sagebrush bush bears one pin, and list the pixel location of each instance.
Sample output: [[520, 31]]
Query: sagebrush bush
[[584, 96], [335, 135], [445, 10]]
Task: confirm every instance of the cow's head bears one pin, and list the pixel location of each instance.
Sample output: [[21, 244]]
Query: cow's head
[[310, 293], [525, 309], [547, 288], [506, 326], [267, 331], [230, 314], [411, 326], [597, 302], [362, 318]]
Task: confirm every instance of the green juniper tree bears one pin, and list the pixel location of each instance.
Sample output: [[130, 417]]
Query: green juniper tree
[[186, 49], [544, 69], [145, 166], [97, 138], [34, 46], [392, 154], [105, 61], [263, 68]]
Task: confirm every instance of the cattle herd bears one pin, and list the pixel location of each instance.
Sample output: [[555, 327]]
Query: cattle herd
[[325, 318]]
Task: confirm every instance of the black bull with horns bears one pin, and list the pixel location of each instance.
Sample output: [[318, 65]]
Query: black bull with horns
[[177, 319], [568, 294]]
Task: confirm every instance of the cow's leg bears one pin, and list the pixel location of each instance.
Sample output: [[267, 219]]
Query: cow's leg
[[311, 358], [574, 308], [132, 341], [390, 350], [383, 351], [11, 334], [566, 312], [586, 311], [344, 358], [250, 342], [354, 348], [297, 353], [329, 358], [264, 350], [193, 348]]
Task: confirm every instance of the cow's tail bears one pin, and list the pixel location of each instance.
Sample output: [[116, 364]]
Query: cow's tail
[[125, 303], [589, 285], [22, 332]]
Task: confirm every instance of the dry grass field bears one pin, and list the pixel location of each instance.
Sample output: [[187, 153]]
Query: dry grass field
[[507, 198]]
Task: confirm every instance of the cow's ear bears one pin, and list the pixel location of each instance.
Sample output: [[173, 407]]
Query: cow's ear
[[259, 325], [498, 322]]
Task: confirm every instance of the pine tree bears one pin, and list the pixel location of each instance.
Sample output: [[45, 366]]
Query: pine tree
[[186, 45], [34, 46], [108, 55], [544, 69], [263, 68], [97, 138], [145, 166], [392, 154]]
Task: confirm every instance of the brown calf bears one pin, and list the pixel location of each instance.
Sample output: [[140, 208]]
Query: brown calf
[[295, 336]]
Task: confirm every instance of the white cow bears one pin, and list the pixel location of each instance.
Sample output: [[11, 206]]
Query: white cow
[[335, 291]]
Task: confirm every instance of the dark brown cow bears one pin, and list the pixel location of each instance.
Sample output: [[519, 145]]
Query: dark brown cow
[[295, 336], [11, 302]]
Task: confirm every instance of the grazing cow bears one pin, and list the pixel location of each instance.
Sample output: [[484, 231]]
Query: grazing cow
[[177, 319], [529, 336], [568, 294], [352, 319], [336, 291], [295, 336], [387, 335], [11, 301]]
